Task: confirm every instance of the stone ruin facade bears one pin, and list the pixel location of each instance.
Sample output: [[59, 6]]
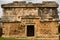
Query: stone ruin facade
[[30, 20]]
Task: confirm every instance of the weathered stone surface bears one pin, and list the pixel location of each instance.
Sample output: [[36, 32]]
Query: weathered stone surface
[[30, 4], [44, 18]]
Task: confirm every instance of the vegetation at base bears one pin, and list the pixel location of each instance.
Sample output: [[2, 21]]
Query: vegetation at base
[[59, 37], [13, 39], [20, 39]]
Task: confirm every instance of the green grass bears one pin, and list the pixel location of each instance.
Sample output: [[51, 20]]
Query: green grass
[[19, 39], [12, 39]]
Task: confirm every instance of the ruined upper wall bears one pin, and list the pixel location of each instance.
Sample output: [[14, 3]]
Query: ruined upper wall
[[30, 4]]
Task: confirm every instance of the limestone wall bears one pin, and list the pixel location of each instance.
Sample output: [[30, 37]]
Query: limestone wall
[[48, 29], [14, 14], [13, 30], [17, 15], [43, 30], [48, 12]]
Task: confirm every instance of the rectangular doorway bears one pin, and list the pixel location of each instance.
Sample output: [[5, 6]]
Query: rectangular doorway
[[30, 30]]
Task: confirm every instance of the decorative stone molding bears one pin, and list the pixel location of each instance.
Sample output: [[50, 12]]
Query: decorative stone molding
[[30, 4]]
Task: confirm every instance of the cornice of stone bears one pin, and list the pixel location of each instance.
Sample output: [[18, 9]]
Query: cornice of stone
[[30, 4]]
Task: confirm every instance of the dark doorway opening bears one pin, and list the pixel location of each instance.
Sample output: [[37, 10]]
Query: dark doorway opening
[[30, 30]]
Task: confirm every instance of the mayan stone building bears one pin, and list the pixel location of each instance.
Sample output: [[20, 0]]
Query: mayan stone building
[[30, 20]]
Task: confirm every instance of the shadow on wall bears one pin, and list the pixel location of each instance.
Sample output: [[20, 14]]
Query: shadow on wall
[[59, 31], [1, 32]]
